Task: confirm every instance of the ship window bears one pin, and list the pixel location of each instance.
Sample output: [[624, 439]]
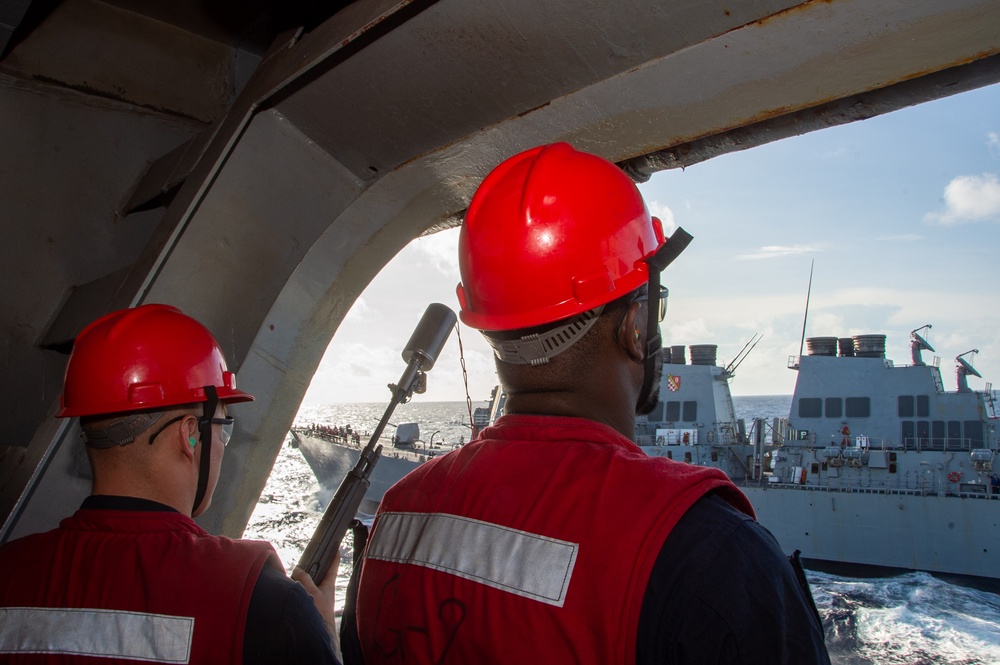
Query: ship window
[[834, 407], [905, 406], [937, 435], [673, 412], [923, 406], [923, 433], [954, 435], [906, 432], [810, 407], [973, 434], [657, 414], [690, 411], [858, 407]]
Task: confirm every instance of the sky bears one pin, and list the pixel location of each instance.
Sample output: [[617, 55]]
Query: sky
[[899, 216]]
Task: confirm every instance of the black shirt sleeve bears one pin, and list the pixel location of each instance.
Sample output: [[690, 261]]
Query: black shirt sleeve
[[283, 624], [722, 592]]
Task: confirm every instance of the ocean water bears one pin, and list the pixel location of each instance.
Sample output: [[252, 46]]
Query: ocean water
[[908, 619]]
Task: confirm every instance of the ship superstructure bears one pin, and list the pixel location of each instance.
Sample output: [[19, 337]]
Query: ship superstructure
[[876, 464]]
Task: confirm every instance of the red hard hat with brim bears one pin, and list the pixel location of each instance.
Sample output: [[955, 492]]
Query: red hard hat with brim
[[552, 232], [147, 357]]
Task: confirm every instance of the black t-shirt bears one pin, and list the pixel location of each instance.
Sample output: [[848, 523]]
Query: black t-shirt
[[283, 624], [722, 592]]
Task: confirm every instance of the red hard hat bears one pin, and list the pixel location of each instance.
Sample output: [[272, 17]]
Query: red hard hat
[[149, 357], [550, 233]]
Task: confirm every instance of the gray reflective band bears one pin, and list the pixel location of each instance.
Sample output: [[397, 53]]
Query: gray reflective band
[[518, 562], [153, 638], [539, 348], [122, 431]]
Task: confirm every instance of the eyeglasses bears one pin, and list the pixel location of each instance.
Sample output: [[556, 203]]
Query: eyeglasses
[[643, 297], [662, 311], [225, 434]]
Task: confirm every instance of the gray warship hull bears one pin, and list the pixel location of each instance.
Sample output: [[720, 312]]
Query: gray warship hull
[[330, 456], [330, 461], [955, 535]]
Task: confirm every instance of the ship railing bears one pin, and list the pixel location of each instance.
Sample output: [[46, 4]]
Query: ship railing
[[940, 444], [885, 491], [924, 443]]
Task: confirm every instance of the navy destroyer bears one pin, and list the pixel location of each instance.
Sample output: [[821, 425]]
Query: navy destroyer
[[876, 465], [331, 455], [333, 451]]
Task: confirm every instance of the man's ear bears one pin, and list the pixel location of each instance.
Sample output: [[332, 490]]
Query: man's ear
[[630, 333], [189, 433]]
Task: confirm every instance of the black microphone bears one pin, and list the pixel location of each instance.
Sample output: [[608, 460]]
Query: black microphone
[[429, 336]]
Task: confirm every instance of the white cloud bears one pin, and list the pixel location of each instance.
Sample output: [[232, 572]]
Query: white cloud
[[353, 372], [360, 312], [969, 198], [774, 251], [665, 214], [441, 250], [993, 143]]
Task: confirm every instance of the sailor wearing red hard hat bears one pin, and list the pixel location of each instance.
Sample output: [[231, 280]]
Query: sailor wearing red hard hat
[[551, 537], [130, 576]]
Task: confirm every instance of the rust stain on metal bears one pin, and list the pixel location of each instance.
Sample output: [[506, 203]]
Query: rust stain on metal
[[371, 24], [532, 110], [803, 7]]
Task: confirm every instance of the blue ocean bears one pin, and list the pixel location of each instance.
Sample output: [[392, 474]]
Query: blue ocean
[[911, 619]]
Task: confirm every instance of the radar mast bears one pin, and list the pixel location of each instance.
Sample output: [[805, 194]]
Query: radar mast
[[963, 369], [918, 344]]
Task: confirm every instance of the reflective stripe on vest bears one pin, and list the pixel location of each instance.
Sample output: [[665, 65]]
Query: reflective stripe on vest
[[518, 562], [154, 638]]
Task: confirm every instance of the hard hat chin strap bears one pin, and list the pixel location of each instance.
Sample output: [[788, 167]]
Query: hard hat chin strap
[[670, 250], [205, 431]]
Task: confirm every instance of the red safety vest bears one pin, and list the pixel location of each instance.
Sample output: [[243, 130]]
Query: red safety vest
[[117, 586], [532, 544]]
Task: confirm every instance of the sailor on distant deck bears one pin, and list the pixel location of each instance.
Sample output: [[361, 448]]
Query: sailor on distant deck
[[551, 538], [130, 577]]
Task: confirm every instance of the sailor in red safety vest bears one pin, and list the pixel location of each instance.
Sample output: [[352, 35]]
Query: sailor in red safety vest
[[130, 577], [551, 538]]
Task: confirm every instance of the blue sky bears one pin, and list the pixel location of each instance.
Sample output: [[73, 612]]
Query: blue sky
[[901, 214]]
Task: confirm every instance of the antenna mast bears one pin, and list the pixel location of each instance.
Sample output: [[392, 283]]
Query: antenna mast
[[805, 316]]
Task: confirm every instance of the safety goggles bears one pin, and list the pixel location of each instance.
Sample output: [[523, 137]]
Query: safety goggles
[[225, 434], [662, 310]]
